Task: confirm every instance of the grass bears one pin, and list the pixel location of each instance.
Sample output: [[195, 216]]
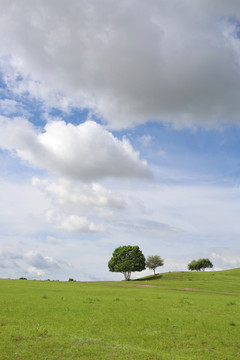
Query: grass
[[147, 320], [213, 281]]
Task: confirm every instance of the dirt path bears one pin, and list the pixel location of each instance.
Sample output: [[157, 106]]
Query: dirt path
[[145, 285], [187, 289]]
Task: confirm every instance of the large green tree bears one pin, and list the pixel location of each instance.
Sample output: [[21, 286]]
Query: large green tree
[[153, 262], [127, 259]]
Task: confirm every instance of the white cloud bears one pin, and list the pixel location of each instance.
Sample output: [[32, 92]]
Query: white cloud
[[79, 224], [82, 152], [127, 61], [39, 261], [30, 264], [226, 257], [70, 200], [35, 264], [9, 107], [32, 271], [9, 260], [77, 195], [145, 140], [71, 222]]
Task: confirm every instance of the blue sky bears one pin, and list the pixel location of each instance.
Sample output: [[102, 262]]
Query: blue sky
[[119, 124]]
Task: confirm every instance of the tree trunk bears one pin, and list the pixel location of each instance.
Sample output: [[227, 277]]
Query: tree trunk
[[154, 271], [127, 275]]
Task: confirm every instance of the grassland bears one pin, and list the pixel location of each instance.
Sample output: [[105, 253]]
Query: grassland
[[174, 316]]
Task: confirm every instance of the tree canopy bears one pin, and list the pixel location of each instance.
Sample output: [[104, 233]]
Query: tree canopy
[[127, 259], [153, 262], [200, 264]]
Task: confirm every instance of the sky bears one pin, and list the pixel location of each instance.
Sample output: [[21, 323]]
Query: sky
[[119, 125]]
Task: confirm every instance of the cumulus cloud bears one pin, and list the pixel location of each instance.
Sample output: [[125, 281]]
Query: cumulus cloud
[[77, 195], [30, 264], [39, 261], [70, 200], [225, 258], [74, 223], [9, 107], [35, 264], [32, 271], [128, 61], [83, 152]]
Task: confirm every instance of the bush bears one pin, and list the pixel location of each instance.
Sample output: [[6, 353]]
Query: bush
[[200, 264]]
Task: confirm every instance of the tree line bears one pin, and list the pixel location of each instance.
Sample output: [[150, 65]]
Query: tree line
[[128, 259]]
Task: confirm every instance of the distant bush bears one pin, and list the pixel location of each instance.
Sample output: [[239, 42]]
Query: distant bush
[[71, 279], [22, 278], [200, 264]]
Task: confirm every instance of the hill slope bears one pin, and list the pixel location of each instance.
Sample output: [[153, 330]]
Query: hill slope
[[214, 281]]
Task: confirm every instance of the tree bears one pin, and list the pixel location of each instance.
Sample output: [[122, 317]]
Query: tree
[[204, 263], [127, 259], [200, 264], [153, 262], [193, 265]]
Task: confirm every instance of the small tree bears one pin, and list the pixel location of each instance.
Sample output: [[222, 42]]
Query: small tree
[[127, 259], [200, 264], [153, 262], [193, 265], [204, 264]]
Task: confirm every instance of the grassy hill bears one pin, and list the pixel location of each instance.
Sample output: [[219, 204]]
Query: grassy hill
[[176, 316], [218, 281]]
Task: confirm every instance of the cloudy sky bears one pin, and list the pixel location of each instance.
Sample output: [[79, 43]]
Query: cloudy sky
[[119, 124]]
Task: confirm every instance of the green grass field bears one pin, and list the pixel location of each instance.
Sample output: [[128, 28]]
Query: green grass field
[[175, 316]]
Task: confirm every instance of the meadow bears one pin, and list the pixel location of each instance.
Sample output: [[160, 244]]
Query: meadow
[[172, 316]]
